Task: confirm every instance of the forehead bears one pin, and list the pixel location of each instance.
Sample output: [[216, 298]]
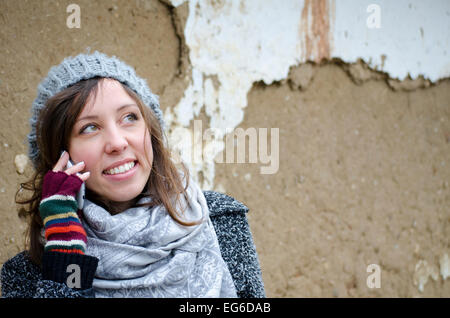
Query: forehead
[[110, 94]]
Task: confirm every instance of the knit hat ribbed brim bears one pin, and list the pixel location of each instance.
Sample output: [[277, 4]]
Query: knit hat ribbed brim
[[82, 67]]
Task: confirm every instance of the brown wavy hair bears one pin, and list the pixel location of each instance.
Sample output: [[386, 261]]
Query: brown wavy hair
[[53, 135]]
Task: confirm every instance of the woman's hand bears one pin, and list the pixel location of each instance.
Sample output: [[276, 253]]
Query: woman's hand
[[75, 169], [59, 208]]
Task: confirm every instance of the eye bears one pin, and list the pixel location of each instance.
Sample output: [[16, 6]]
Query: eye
[[89, 128], [131, 117]]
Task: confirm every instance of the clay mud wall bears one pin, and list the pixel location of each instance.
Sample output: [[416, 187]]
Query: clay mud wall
[[360, 158]]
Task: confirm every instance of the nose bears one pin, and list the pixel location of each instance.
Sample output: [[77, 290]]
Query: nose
[[115, 140]]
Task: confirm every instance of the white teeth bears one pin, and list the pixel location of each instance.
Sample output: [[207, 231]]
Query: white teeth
[[121, 169]]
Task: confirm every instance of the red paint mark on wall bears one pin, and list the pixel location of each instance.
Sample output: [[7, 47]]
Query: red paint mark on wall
[[315, 29]]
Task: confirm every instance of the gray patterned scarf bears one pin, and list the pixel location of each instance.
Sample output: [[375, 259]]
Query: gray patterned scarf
[[143, 252]]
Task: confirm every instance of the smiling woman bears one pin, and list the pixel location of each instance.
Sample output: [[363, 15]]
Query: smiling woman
[[113, 140], [145, 229], [96, 118]]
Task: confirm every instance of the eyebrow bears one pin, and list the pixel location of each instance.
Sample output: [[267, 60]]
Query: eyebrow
[[96, 117]]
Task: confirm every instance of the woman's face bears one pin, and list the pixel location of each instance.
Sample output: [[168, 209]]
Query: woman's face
[[112, 139]]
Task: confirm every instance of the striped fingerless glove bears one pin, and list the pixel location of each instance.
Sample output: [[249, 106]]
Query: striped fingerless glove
[[58, 209]]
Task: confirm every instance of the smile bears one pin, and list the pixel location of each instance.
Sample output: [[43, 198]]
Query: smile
[[120, 169]]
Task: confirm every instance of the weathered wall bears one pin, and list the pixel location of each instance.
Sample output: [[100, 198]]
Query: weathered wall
[[363, 151], [233, 44]]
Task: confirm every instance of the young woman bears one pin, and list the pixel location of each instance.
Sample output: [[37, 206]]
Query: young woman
[[110, 214]]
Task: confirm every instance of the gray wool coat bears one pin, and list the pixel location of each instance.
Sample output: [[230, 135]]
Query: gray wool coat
[[22, 278]]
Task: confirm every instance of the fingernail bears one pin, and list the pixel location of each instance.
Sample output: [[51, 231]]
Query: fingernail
[[80, 163], [62, 153]]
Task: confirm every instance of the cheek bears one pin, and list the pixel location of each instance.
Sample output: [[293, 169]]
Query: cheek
[[84, 152]]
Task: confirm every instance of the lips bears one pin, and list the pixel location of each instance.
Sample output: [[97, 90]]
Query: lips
[[120, 167]]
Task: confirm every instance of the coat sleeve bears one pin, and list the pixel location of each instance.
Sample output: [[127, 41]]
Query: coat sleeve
[[236, 243], [20, 278]]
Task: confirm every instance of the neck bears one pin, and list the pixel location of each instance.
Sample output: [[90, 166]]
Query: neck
[[113, 207], [118, 207]]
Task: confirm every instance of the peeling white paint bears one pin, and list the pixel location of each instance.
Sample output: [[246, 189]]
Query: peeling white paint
[[242, 42], [444, 263], [422, 272], [413, 36], [238, 42]]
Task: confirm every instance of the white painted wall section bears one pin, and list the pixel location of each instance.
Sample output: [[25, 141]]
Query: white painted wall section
[[242, 42], [414, 36]]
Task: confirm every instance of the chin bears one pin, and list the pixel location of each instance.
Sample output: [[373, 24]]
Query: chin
[[124, 196], [118, 194]]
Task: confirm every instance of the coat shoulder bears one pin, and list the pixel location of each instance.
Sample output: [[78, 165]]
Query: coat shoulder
[[220, 203], [20, 263], [19, 276]]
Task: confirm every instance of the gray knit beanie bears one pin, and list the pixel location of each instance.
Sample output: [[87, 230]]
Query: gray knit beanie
[[81, 67]]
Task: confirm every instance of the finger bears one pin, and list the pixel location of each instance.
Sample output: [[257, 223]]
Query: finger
[[62, 162], [84, 176], [76, 168]]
